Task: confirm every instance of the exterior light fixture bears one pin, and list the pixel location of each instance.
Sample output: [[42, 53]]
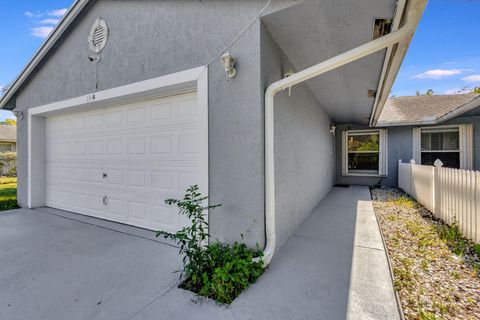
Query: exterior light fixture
[[18, 114], [228, 62]]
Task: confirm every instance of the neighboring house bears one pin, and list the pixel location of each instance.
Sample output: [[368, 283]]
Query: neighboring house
[[8, 138], [422, 128], [112, 126]]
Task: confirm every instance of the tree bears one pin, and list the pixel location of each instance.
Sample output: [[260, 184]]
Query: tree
[[10, 122], [3, 90], [468, 89], [429, 92]]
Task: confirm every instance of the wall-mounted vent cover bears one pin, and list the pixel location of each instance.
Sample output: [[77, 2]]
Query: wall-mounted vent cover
[[98, 36], [381, 27]]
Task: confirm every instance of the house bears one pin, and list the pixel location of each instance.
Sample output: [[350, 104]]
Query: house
[[129, 102], [8, 138], [422, 128]]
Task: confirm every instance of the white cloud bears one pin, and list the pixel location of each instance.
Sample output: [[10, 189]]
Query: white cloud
[[41, 32], [42, 28], [472, 78], [57, 12], [49, 21], [438, 73], [32, 15]]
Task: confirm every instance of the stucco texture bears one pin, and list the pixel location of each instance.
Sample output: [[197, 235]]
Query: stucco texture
[[149, 39], [303, 145]]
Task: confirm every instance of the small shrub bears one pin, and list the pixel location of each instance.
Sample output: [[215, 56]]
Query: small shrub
[[476, 248], [12, 172], [8, 163], [453, 237], [229, 270], [8, 204], [218, 271]]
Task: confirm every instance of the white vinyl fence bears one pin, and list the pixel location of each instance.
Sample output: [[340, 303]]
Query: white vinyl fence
[[450, 194]]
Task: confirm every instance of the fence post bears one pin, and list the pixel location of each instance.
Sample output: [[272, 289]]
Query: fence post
[[412, 162], [436, 187], [398, 173]]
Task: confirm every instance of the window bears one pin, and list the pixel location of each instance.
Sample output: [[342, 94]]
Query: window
[[443, 144], [364, 152], [5, 147], [450, 144]]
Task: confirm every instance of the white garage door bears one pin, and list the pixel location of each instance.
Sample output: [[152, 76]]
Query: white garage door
[[120, 163]]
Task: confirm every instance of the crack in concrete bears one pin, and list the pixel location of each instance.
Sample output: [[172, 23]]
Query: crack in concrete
[[153, 301]]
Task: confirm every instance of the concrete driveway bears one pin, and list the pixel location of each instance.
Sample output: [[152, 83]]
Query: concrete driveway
[[58, 265]]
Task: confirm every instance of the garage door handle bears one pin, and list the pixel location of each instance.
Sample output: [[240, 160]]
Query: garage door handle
[[105, 200], [104, 175]]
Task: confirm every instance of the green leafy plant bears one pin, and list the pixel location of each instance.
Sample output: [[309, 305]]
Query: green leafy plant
[[229, 270], [218, 271], [476, 248], [191, 239], [452, 235]]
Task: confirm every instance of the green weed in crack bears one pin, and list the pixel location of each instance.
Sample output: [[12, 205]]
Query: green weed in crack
[[216, 270]]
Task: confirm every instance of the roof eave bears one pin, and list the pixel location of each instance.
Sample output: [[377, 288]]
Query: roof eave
[[57, 32], [474, 103], [395, 55]]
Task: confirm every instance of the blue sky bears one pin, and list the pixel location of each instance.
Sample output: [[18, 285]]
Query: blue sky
[[444, 54], [25, 24]]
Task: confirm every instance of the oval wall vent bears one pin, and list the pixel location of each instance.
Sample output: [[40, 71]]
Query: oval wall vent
[[98, 36]]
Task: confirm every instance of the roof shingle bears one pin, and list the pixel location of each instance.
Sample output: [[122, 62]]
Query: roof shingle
[[413, 109]]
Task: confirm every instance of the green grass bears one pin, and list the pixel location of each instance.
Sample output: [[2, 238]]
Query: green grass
[[8, 193]]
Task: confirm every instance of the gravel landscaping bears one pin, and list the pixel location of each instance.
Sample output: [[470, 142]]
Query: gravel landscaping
[[436, 270]]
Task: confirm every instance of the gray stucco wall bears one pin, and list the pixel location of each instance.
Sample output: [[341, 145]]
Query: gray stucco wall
[[154, 38], [400, 146], [303, 145]]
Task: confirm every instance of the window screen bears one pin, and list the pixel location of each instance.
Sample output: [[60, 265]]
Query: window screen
[[443, 144], [363, 152]]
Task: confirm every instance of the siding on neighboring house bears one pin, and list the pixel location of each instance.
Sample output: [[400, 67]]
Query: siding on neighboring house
[[400, 146], [8, 146], [303, 145]]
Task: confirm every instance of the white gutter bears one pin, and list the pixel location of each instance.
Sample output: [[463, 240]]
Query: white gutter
[[387, 61], [366, 49]]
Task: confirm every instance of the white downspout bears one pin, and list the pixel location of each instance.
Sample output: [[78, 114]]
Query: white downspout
[[364, 50]]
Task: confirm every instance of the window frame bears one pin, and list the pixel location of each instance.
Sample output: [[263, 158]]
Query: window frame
[[382, 153], [465, 147], [9, 145]]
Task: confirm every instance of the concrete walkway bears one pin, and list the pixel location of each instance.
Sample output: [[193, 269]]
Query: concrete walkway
[[57, 265]]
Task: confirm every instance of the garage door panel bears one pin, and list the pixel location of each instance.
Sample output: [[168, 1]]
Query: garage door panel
[[95, 147], [114, 147], [121, 163], [161, 112], [162, 180]]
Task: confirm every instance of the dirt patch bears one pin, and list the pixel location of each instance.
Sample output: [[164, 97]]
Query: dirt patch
[[433, 282]]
